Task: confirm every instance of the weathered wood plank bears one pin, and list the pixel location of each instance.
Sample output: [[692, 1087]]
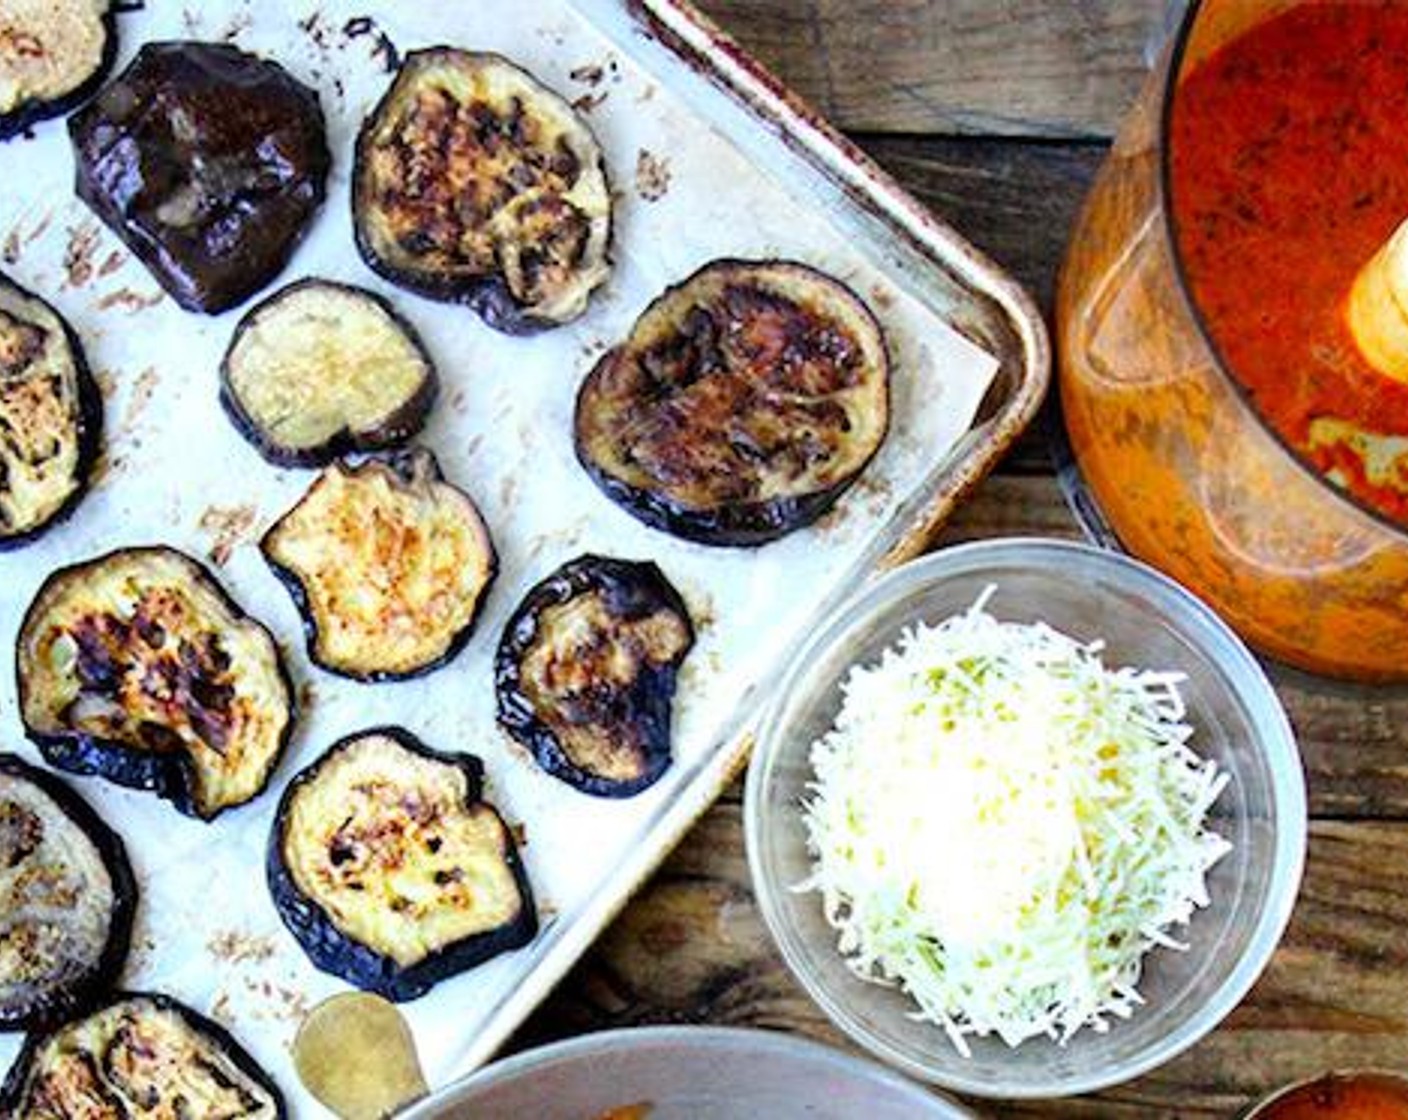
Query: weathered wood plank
[[1016, 201], [1057, 68], [693, 948]]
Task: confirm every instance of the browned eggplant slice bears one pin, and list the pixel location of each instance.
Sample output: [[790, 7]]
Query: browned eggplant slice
[[320, 369], [139, 1057], [67, 897], [391, 870], [53, 55], [51, 417], [208, 162], [585, 673], [389, 565], [139, 667], [476, 184], [742, 405]]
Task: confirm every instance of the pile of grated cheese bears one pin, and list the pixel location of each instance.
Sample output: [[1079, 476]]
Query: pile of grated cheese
[[1004, 827]]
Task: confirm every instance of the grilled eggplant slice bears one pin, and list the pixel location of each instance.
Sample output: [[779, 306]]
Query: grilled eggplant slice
[[51, 417], [744, 403], [321, 369], [476, 184], [139, 1057], [67, 896], [389, 565], [391, 871], [53, 55], [138, 666], [208, 162], [586, 669]]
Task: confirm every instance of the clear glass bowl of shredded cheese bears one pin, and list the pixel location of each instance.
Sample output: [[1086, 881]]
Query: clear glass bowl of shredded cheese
[[1025, 818]]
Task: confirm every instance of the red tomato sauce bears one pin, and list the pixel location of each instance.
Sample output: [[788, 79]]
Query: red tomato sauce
[[1334, 1098], [1288, 170]]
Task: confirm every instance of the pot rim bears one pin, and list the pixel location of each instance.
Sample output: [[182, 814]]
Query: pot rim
[[1373, 1073], [716, 1039]]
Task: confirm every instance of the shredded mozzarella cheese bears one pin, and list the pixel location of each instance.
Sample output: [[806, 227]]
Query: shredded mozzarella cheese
[[1004, 827]]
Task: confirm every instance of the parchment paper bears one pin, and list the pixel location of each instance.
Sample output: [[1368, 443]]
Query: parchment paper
[[175, 471]]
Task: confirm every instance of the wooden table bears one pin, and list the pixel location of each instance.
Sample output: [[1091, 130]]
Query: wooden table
[[997, 113]]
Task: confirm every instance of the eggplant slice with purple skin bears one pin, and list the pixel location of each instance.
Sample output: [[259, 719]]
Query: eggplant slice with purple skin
[[67, 895], [140, 1056], [208, 162], [388, 564], [321, 369], [137, 666], [586, 669], [476, 184], [391, 871], [743, 404], [54, 54], [51, 417]]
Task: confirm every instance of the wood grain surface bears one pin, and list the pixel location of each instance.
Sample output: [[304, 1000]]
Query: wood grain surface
[[1052, 68], [691, 948]]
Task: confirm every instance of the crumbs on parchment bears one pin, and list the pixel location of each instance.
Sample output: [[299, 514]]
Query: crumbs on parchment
[[129, 301], [588, 101], [285, 1003], [230, 526], [221, 1011], [382, 46], [40, 228], [593, 75], [702, 611], [233, 946], [312, 26], [652, 176], [142, 391], [78, 256], [239, 23], [882, 297], [508, 489]]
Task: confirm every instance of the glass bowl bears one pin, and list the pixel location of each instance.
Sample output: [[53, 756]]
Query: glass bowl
[[1181, 466], [1146, 620], [685, 1073]]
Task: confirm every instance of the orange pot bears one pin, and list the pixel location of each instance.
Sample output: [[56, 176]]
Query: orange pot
[[1187, 474]]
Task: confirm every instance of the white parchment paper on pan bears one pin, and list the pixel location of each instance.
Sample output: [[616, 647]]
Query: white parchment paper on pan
[[175, 471]]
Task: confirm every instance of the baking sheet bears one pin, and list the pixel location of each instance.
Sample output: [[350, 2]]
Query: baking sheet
[[176, 472]]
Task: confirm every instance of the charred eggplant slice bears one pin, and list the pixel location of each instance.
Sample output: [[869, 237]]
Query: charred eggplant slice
[[139, 1057], [51, 417], [391, 871], [208, 162], [743, 404], [476, 184], [320, 370], [586, 669], [389, 565], [53, 55], [67, 897], [138, 666]]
